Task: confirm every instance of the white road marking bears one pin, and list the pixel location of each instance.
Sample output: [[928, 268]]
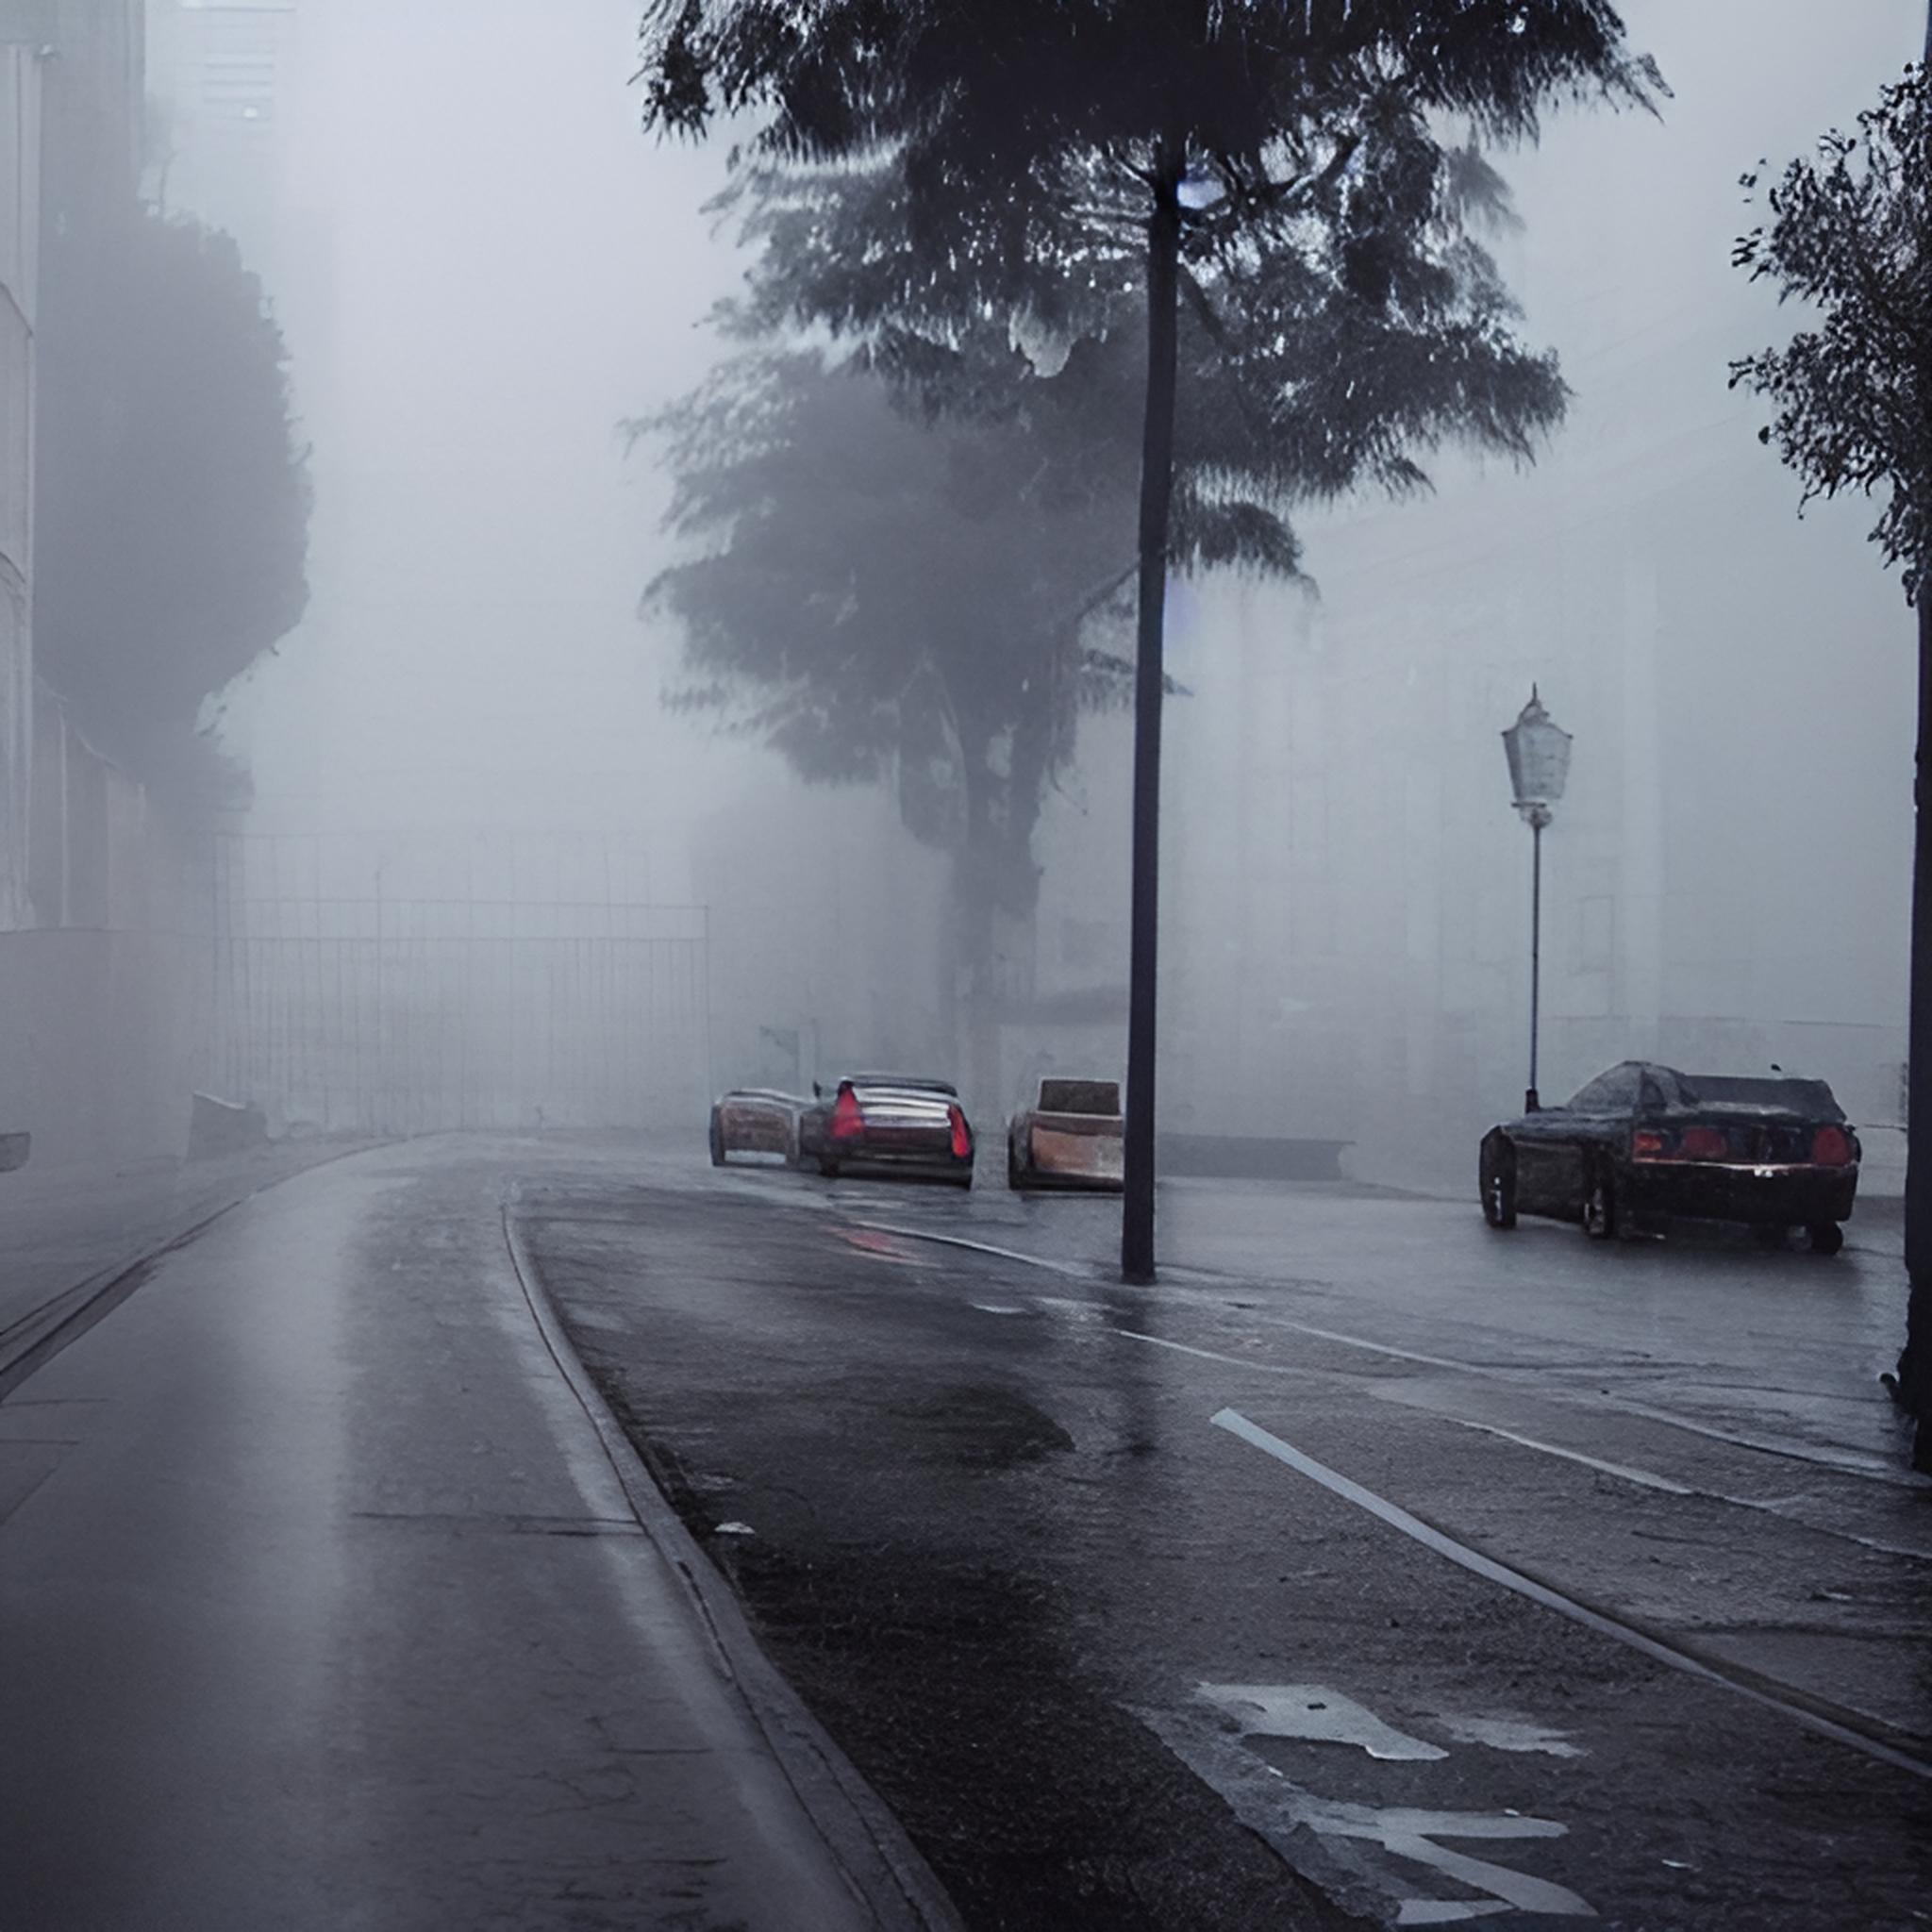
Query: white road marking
[[1509, 1734], [1793, 1705], [1413, 1834], [1209, 1355], [960, 1240], [1286, 1813], [1641, 1477], [1315, 1713]]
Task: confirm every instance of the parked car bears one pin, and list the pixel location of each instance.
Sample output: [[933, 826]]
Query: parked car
[[1070, 1136], [887, 1123], [756, 1120], [1644, 1141]]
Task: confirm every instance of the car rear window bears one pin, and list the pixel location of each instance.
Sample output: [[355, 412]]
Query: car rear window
[[1725, 1089], [1080, 1096]]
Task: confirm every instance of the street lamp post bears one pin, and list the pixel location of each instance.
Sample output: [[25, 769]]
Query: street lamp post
[[1538, 753]]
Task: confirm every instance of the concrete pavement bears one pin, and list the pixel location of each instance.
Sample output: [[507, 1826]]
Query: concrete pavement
[[324, 1604]]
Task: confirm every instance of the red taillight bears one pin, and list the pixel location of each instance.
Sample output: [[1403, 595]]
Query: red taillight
[[1703, 1143], [1650, 1144], [848, 1119], [1831, 1147], [962, 1138]]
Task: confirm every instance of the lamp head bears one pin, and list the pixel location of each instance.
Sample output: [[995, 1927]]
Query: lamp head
[[1538, 753]]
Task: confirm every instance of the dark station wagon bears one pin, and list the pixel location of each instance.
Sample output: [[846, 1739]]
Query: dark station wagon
[[1644, 1142], [887, 1123]]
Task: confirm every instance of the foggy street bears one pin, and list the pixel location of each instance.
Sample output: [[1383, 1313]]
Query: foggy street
[[324, 1606], [1006, 1526], [965, 967]]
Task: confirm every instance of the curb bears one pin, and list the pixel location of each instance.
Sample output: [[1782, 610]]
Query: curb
[[878, 1860]]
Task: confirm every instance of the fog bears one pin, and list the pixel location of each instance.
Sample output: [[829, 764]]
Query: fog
[[484, 268]]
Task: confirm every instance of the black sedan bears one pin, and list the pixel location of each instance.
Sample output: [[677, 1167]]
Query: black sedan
[[887, 1123], [1645, 1141]]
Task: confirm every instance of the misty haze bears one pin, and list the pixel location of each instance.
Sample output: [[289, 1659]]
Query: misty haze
[[959, 964]]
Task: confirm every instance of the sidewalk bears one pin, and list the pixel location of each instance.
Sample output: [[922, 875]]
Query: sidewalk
[[325, 1607], [61, 1227]]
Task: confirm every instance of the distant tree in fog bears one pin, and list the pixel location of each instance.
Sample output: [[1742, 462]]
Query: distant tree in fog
[[173, 507], [881, 598], [1850, 235]]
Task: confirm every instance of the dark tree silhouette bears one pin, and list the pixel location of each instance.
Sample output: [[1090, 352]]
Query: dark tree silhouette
[[1850, 235], [883, 600], [904, 586], [1215, 140], [172, 505]]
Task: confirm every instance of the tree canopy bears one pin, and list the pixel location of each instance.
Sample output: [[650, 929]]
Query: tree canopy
[[897, 543], [1850, 235], [1251, 154], [173, 507]]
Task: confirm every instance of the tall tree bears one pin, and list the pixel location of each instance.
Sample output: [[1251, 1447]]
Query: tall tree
[[1225, 136], [173, 500], [966, 552], [1850, 235], [881, 599]]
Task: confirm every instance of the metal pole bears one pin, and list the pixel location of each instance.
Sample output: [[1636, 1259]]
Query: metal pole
[[1157, 484], [1530, 1102]]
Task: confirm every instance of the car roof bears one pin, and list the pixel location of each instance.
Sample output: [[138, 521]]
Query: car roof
[[1789, 1090], [908, 1083]]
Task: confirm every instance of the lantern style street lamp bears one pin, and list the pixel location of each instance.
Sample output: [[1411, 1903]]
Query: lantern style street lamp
[[1538, 753]]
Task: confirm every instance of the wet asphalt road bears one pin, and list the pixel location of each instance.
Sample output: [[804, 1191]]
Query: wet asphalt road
[[321, 1606], [1077, 1576]]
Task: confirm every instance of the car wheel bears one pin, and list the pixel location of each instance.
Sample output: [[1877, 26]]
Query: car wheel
[[964, 1180], [1600, 1204], [1827, 1237], [717, 1142], [829, 1167], [1014, 1177], [1498, 1179]]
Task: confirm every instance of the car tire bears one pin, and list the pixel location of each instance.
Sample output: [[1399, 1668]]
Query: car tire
[[1601, 1209], [1827, 1237], [717, 1143], [964, 1180], [1015, 1179], [829, 1167], [1497, 1179]]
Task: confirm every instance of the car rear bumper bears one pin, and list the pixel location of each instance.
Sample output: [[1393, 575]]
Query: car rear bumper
[[881, 1165], [1793, 1196]]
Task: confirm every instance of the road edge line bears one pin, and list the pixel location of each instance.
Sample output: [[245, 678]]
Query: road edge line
[[1815, 1714], [886, 1870]]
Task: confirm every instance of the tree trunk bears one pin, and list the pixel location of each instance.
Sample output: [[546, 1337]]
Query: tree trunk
[[976, 900], [1914, 1388], [1156, 491]]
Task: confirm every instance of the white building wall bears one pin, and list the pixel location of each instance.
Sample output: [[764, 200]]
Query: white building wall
[[20, 191]]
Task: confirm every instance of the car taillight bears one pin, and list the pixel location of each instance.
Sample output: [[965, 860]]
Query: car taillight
[[962, 1138], [1703, 1143], [1831, 1147], [1650, 1144], [848, 1119]]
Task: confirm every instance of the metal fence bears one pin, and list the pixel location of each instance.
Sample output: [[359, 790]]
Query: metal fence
[[408, 1014]]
